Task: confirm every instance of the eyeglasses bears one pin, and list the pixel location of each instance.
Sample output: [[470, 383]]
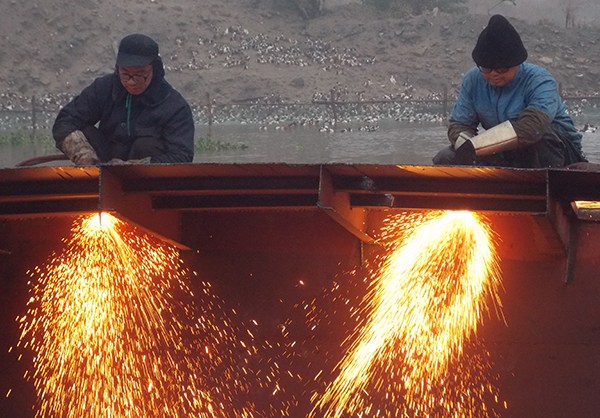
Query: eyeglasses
[[137, 78], [485, 70]]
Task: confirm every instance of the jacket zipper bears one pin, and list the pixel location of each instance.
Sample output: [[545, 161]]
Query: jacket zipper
[[128, 107]]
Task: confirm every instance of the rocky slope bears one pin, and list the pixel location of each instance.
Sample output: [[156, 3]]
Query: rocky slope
[[241, 50]]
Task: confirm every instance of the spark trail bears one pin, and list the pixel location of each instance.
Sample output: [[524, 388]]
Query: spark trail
[[425, 303], [115, 331]]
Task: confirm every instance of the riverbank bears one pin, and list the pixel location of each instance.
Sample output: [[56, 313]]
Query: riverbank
[[389, 142]]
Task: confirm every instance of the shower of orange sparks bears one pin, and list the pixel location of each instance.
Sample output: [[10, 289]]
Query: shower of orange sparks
[[115, 332], [423, 307]]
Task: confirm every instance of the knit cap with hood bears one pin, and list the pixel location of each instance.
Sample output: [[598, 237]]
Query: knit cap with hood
[[136, 50]]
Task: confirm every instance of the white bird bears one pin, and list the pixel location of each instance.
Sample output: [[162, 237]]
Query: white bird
[[588, 128]]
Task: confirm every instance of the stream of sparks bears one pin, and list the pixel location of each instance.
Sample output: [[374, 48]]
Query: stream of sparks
[[114, 333], [425, 302]]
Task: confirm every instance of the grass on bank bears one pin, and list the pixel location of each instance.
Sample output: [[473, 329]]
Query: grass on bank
[[45, 142]]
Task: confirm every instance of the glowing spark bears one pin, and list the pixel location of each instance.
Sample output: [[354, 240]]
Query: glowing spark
[[115, 332], [425, 303]]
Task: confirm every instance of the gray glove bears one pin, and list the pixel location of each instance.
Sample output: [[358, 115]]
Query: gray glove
[[118, 161], [78, 149]]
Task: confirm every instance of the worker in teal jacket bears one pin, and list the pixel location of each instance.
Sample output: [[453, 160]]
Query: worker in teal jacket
[[517, 104]]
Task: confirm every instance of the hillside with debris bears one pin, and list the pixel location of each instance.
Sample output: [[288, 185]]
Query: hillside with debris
[[239, 51]]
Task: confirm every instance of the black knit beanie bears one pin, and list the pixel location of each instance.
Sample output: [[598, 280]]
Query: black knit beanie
[[499, 45]]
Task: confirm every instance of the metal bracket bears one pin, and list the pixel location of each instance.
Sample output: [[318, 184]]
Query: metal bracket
[[337, 205], [566, 228], [136, 208]]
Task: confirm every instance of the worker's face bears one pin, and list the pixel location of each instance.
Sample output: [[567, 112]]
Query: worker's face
[[498, 77], [136, 79]]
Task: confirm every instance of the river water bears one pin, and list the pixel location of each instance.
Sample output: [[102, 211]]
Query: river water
[[388, 142]]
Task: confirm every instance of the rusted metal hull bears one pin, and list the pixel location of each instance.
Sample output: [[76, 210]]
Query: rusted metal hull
[[256, 231]]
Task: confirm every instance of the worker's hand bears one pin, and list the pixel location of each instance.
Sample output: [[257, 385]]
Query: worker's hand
[[462, 138], [465, 149], [118, 161], [78, 149]]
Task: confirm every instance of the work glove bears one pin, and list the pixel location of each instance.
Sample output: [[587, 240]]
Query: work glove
[[118, 161], [464, 149], [78, 149], [499, 138]]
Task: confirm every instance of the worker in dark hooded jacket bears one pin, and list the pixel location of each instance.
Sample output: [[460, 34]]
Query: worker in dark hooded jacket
[[130, 116], [517, 104]]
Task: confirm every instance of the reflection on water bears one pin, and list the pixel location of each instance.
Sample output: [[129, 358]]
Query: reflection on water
[[392, 143]]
